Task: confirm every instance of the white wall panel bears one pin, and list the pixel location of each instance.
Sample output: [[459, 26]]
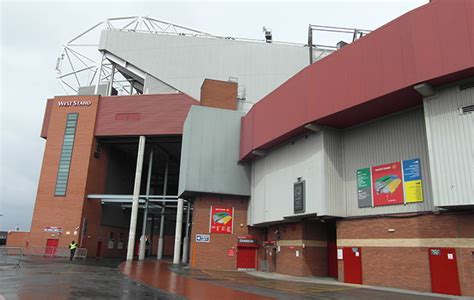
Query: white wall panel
[[451, 146], [334, 172], [273, 177]]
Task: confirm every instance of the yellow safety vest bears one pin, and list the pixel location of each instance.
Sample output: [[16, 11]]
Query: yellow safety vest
[[72, 246]]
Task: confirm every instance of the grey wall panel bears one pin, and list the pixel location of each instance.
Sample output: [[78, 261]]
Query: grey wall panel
[[334, 172], [183, 62], [273, 177], [210, 153], [451, 146], [394, 138], [155, 86]]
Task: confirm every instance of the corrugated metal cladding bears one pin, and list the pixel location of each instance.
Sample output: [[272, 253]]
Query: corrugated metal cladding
[[395, 138], [183, 62], [333, 172], [451, 146], [328, 162], [210, 153], [273, 177]]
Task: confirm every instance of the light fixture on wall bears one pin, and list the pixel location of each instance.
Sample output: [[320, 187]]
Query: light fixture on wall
[[313, 127], [259, 153], [425, 89]]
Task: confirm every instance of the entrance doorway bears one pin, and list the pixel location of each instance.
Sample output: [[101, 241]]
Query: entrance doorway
[[444, 271], [246, 253], [51, 247], [246, 258], [352, 265], [331, 248], [99, 249]]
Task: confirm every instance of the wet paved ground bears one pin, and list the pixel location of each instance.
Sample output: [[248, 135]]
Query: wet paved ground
[[239, 285], [43, 279]]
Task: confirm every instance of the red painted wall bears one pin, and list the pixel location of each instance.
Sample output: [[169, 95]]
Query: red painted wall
[[151, 114], [372, 77]]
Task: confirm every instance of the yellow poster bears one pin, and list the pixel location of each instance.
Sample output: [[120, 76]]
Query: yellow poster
[[413, 191]]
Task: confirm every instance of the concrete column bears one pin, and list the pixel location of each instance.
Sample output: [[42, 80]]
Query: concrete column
[[179, 227], [136, 195], [162, 220], [141, 255], [186, 237]]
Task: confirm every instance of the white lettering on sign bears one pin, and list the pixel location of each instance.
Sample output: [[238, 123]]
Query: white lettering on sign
[[450, 256], [203, 238], [74, 103], [53, 229]]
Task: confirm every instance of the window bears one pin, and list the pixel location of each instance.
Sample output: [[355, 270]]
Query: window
[[66, 155]]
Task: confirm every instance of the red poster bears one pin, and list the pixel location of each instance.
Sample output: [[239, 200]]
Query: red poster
[[387, 184], [221, 220]]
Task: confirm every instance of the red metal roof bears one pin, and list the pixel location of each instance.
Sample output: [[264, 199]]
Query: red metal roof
[[149, 115], [372, 77]]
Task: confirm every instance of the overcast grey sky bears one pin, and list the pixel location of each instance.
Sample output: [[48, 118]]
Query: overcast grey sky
[[32, 34]]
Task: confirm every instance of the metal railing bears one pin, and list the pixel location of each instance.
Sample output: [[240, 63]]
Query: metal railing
[[10, 256], [55, 252]]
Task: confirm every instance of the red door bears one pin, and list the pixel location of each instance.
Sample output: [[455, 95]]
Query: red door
[[246, 258], [51, 245], [444, 271], [332, 249], [352, 265], [99, 248]]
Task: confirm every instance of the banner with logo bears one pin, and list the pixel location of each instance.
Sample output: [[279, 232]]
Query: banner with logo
[[221, 220], [388, 184]]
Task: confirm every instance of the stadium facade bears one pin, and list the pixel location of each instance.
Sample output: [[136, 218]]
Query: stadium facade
[[357, 166]]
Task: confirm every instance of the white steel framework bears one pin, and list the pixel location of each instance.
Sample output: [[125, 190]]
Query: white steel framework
[[80, 64]]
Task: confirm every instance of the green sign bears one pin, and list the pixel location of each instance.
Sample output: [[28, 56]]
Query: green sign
[[364, 193]]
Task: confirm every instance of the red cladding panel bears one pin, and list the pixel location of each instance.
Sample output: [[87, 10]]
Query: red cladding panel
[[372, 77], [143, 114]]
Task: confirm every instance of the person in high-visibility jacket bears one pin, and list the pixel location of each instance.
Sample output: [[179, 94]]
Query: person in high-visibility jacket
[[73, 247]]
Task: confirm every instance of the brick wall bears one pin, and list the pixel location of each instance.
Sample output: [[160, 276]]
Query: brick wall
[[301, 248], [65, 212], [18, 239], [92, 209], [219, 94], [399, 258], [213, 255], [168, 247]]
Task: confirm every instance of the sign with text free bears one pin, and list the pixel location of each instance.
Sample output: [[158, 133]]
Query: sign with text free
[[221, 220]]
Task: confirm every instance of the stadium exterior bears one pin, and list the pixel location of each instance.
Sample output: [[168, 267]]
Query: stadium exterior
[[357, 166]]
